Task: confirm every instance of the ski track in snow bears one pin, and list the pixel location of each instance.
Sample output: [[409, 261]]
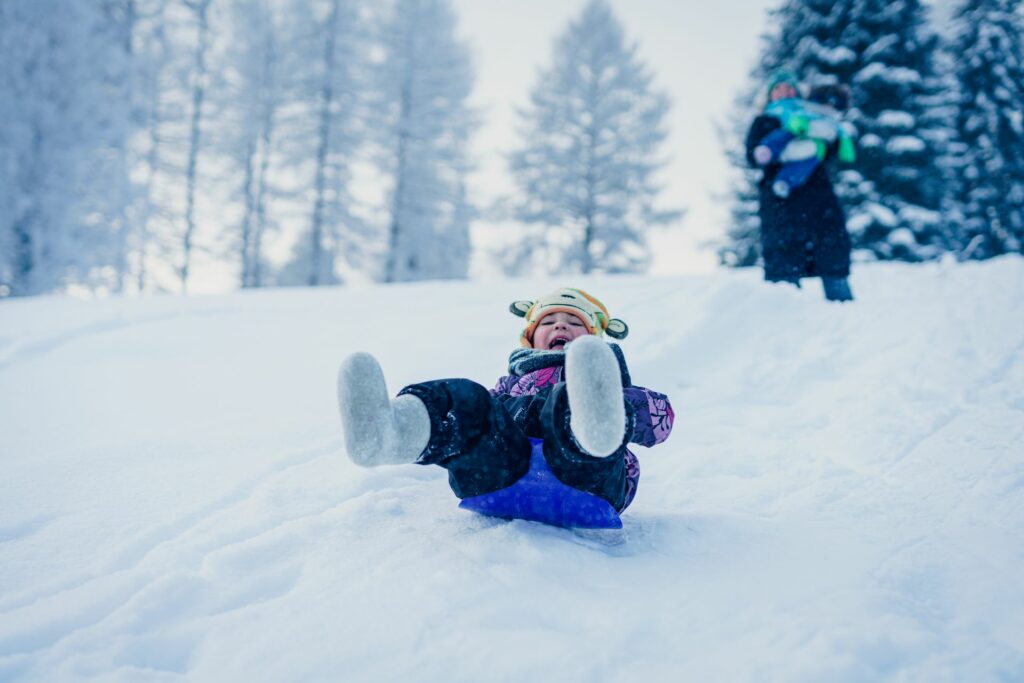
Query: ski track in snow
[[842, 500], [36, 348]]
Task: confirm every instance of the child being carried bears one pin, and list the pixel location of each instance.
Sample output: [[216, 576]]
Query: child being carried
[[809, 128]]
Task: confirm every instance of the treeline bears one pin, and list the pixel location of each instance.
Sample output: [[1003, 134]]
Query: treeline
[[141, 137], [939, 113], [301, 142]]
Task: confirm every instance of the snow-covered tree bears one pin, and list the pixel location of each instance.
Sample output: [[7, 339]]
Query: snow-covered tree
[[63, 170], [251, 99], [327, 46], [423, 125], [151, 54], [742, 246], [591, 140], [988, 197], [200, 10], [172, 74], [885, 52]]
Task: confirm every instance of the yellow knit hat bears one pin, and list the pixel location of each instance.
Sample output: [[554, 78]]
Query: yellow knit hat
[[568, 300]]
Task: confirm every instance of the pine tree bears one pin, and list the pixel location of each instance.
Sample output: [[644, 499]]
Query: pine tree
[[591, 139], [423, 125], [885, 52], [988, 196], [742, 247]]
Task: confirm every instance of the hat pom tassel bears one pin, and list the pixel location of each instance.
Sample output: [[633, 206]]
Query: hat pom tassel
[[617, 329]]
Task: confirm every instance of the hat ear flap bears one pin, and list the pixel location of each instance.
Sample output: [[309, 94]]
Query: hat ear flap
[[617, 329], [520, 308]]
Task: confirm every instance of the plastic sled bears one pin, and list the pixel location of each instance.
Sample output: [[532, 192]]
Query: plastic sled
[[538, 496]]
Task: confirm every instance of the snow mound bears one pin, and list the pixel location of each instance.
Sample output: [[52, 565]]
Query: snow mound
[[842, 498]]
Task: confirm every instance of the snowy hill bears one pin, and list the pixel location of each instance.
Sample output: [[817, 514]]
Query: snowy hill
[[842, 499]]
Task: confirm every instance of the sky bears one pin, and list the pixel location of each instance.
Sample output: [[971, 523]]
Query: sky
[[700, 53]]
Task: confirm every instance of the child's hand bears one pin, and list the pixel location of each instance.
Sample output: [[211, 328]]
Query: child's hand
[[798, 125]]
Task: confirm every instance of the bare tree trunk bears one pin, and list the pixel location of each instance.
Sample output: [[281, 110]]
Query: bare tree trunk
[[586, 259], [123, 234], [247, 214], [401, 160], [153, 122], [269, 70], [200, 8], [152, 159], [394, 230], [24, 261], [589, 229], [261, 203], [26, 222], [324, 135]]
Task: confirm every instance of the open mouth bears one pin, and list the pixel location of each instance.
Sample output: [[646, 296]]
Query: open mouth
[[558, 343]]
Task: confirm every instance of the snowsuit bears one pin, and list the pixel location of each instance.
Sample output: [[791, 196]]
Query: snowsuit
[[802, 142], [482, 437], [803, 235]]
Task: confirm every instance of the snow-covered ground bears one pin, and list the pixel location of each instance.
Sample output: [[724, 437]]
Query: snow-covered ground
[[842, 499]]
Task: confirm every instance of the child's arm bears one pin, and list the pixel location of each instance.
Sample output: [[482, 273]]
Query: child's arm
[[652, 415]]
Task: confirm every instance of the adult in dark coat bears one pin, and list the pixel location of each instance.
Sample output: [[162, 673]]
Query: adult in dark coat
[[804, 234]]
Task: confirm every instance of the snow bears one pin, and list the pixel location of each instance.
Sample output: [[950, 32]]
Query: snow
[[901, 120], [880, 213], [836, 56], [905, 144], [842, 498], [903, 237], [898, 75]]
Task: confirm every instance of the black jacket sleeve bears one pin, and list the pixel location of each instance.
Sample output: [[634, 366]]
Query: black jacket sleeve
[[761, 126]]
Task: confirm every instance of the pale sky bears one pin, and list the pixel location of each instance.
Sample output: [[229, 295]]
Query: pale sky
[[700, 53]]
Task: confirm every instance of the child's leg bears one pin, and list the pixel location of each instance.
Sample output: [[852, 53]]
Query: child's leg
[[472, 435], [771, 146], [593, 380], [792, 175], [604, 477]]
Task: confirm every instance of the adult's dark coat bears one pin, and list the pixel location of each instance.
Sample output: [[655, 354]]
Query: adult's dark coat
[[803, 235]]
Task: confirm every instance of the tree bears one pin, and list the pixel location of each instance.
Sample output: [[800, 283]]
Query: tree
[[151, 55], [885, 51], [200, 11], [251, 99], [591, 139], [423, 83], [63, 174], [328, 42], [988, 198]]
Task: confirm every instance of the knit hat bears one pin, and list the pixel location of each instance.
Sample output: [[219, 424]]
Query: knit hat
[[780, 76], [568, 300]]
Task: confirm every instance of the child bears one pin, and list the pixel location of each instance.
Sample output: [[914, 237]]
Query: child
[[565, 386], [808, 129]]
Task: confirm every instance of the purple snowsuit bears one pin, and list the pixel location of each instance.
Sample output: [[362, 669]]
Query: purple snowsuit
[[483, 438]]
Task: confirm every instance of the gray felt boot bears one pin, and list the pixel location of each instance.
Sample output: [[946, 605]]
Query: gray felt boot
[[378, 430], [594, 384]]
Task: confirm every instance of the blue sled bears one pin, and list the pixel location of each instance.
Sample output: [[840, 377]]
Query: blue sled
[[539, 497]]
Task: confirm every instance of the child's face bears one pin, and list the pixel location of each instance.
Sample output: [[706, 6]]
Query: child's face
[[782, 91], [557, 329]]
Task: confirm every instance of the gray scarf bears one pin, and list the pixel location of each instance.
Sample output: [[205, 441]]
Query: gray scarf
[[524, 361]]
